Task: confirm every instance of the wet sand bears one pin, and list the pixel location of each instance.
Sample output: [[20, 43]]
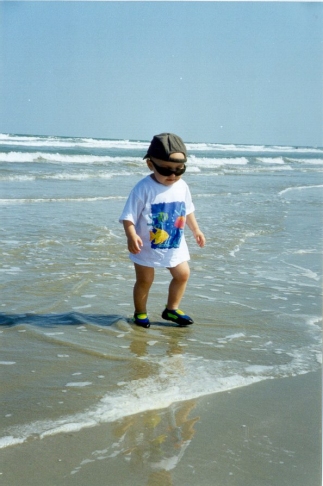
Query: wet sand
[[266, 434]]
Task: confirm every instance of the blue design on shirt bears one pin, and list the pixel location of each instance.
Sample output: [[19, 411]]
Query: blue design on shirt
[[168, 221]]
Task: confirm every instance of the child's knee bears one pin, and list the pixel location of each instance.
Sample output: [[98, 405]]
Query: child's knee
[[145, 280], [144, 275], [181, 273], [185, 275]]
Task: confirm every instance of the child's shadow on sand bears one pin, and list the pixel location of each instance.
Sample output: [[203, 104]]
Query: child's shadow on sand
[[71, 319]]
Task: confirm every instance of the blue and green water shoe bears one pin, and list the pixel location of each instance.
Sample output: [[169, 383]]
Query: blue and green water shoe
[[177, 316], [141, 319]]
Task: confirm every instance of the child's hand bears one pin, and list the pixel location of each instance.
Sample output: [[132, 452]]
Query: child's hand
[[134, 244], [134, 241], [200, 238], [194, 227]]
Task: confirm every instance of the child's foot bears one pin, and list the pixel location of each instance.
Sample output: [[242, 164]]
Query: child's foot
[[177, 316], [141, 319]]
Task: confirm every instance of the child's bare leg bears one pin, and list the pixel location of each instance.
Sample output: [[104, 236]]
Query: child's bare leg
[[178, 284], [144, 280]]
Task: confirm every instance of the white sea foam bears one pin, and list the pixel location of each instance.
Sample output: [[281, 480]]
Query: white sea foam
[[305, 272], [41, 157], [10, 270], [257, 369], [87, 306], [9, 440], [69, 142], [118, 144], [208, 162], [249, 234], [299, 188], [268, 168], [234, 336], [58, 333], [251, 148], [271, 160], [68, 176], [58, 200], [55, 158], [307, 161], [135, 397], [62, 142], [18, 178], [307, 150], [229, 147], [180, 377], [78, 384], [193, 169], [314, 321]]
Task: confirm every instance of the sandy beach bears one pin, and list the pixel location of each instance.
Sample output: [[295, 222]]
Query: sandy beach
[[91, 399], [266, 434]]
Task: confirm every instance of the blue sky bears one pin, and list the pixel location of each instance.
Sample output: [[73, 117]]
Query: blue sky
[[223, 72]]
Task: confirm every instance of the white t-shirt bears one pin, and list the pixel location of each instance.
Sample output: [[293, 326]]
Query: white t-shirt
[[159, 215]]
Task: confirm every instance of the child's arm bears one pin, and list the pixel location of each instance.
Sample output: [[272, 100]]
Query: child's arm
[[194, 227], [134, 240]]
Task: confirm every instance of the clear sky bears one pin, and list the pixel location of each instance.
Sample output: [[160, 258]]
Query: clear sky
[[223, 72]]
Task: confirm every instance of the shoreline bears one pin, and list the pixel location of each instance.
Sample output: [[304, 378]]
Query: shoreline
[[264, 434]]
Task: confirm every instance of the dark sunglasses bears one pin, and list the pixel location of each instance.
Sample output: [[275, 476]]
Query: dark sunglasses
[[164, 171]]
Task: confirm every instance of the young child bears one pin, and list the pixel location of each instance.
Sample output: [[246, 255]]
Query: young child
[[154, 217]]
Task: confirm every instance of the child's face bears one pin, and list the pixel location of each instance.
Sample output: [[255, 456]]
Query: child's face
[[175, 169]]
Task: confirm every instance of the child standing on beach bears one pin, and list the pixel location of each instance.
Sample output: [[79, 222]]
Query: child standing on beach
[[154, 217]]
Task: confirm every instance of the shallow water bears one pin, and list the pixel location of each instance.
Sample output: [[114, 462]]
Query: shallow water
[[70, 356]]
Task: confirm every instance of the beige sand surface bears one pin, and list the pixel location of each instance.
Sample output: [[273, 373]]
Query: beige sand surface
[[267, 434]]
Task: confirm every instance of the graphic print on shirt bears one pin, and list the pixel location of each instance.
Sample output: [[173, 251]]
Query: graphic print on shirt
[[168, 221]]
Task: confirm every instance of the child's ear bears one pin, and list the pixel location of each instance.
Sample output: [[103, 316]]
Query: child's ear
[[149, 164]]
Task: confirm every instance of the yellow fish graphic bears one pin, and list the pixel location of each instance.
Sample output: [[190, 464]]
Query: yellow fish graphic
[[158, 236]]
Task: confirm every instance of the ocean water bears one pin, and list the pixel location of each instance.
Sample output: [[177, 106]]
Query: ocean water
[[70, 357]]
